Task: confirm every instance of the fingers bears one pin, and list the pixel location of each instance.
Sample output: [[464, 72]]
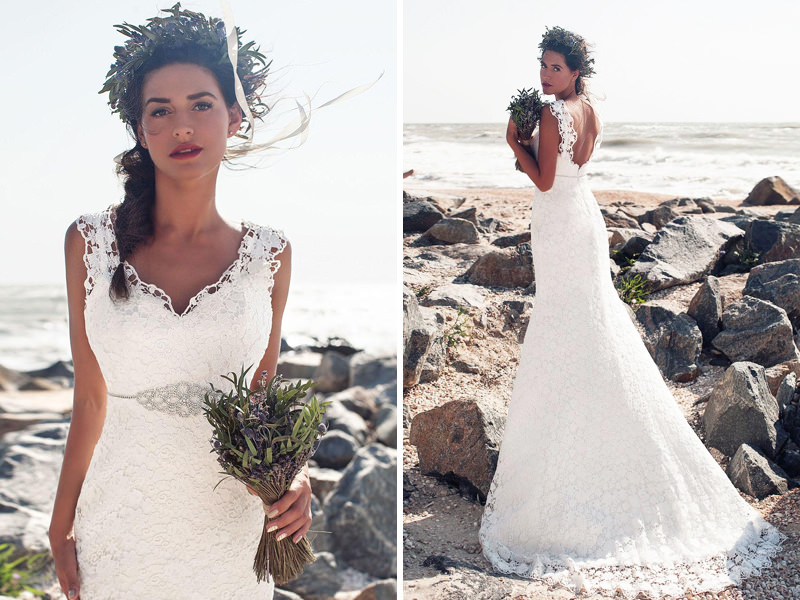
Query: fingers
[[66, 563], [295, 521], [282, 505]]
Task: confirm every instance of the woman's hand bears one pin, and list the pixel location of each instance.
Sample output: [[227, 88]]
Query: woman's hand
[[65, 557], [512, 133], [291, 514]]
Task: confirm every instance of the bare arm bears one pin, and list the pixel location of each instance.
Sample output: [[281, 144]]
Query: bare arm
[[543, 171], [88, 414]]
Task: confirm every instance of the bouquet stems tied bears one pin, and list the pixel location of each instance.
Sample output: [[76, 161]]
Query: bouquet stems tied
[[526, 111], [263, 438]]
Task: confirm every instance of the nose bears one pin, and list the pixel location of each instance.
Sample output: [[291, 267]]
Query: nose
[[183, 131]]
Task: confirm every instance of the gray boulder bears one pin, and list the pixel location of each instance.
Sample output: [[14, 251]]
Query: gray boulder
[[617, 218], [620, 235], [673, 339], [453, 231], [741, 410], [336, 449], [417, 339], [322, 481], [358, 400], [455, 295], [684, 251], [772, 190], [319, 581], [30, 463], [786, 391], [301, 364], [508, 268], [773, 240], [333, 373], [341, 419], [516, 239], [756, 330], [370, 371], [706, 309], [386, 426], [779, 283], [460, 439], [437, 356], [362, 512], [659, 217], [755, 474], [386, 589], [420, 216]]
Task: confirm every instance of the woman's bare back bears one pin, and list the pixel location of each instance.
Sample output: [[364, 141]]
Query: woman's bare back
[[587, 127]]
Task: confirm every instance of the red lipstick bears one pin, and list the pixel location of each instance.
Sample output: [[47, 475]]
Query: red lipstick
[[185, 151]]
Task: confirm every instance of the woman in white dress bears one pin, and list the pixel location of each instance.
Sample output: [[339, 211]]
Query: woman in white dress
[[601, 483], [136, 513]]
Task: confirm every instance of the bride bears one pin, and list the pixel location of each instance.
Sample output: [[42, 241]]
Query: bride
[[601, 483], [165, 296]]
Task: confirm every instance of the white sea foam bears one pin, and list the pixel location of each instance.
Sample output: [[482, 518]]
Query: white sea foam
[[720, 160]]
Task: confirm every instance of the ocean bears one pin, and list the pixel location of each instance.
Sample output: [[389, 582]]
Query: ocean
[[34, 331], [718, 160]]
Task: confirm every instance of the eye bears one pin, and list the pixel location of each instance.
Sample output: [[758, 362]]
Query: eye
[[203, 106], [158, 112], [556, 69]]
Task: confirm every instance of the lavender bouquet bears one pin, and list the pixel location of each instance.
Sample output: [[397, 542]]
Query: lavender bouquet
[[263, 438], [526, 110]]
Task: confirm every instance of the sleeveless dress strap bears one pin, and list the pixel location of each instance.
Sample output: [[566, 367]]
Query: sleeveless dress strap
[[99, 251], [566, 130], [263, 244]]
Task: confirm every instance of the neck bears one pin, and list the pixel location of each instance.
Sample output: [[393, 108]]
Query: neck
[[185, 208], [567, 94]]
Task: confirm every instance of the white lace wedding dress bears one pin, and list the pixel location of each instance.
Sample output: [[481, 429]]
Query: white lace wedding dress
[[601, 483], [149, 523]]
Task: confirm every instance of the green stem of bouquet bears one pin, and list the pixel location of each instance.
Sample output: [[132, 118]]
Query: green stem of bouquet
[[284, 559]]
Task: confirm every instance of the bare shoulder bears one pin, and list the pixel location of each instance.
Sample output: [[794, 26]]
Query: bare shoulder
[[74, 246]]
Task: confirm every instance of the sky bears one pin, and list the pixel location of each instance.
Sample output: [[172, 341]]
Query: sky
[[677, 61], [334, 197]]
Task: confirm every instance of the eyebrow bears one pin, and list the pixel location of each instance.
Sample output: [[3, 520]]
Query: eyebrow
[[189, 97]]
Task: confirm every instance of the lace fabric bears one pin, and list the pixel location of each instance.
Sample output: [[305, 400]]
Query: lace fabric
[[149, 522], [601, 484]]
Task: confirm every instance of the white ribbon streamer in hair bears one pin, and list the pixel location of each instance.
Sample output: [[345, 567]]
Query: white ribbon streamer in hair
[[233, 56]]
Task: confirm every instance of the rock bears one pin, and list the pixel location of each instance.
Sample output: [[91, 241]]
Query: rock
[[58, 370], [322, 481], [30, 463], [320, 580], [508, 268], [333, 373], [420, 216], [706, 205], [386, 426], [617, 218], [453, 231], [755, 474], [437, 355], [776, 373], [684, 251], [322, 542], [358, 400], [620, 235], [463, 366], [333, 344], [790, 459], [673, 340], [779, 283], [385, 589], [460, 439], [468, 214], [786, 391], [634, 246], [40, 384], [279, 594], [517, 316], [659, 217], [418, 336], [299, 365], [756, 330], [455, 295], [706, 309], [772, 190], [370, 371], [341, 419], [336, 449], [11, 380], [507, 241], [741, 410], [362, 512], [773, 241]]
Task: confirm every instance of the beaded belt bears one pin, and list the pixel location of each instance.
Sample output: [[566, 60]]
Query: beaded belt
[[184, 398]]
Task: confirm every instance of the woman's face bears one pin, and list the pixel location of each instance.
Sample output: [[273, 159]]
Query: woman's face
[[556, 77], [185, 122]]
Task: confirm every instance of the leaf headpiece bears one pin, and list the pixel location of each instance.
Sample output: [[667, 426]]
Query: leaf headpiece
[[571, 45], [184, 28]]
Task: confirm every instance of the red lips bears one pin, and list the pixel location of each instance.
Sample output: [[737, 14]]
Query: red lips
[[185, 151]]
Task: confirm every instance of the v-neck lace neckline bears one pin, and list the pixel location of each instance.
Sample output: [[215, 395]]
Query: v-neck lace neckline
[[157, 292]]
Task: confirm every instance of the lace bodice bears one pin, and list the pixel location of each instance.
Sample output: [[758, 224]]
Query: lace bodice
[[566, 130], [238, 305]]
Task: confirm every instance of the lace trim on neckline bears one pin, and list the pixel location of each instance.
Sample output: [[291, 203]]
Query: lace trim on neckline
[[566, 129]]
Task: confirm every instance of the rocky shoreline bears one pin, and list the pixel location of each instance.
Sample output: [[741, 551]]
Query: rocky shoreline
[[353, 473], [714, 285]]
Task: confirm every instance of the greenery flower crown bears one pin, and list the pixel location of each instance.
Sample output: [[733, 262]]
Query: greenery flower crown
[[571, 45], [183, 28]]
